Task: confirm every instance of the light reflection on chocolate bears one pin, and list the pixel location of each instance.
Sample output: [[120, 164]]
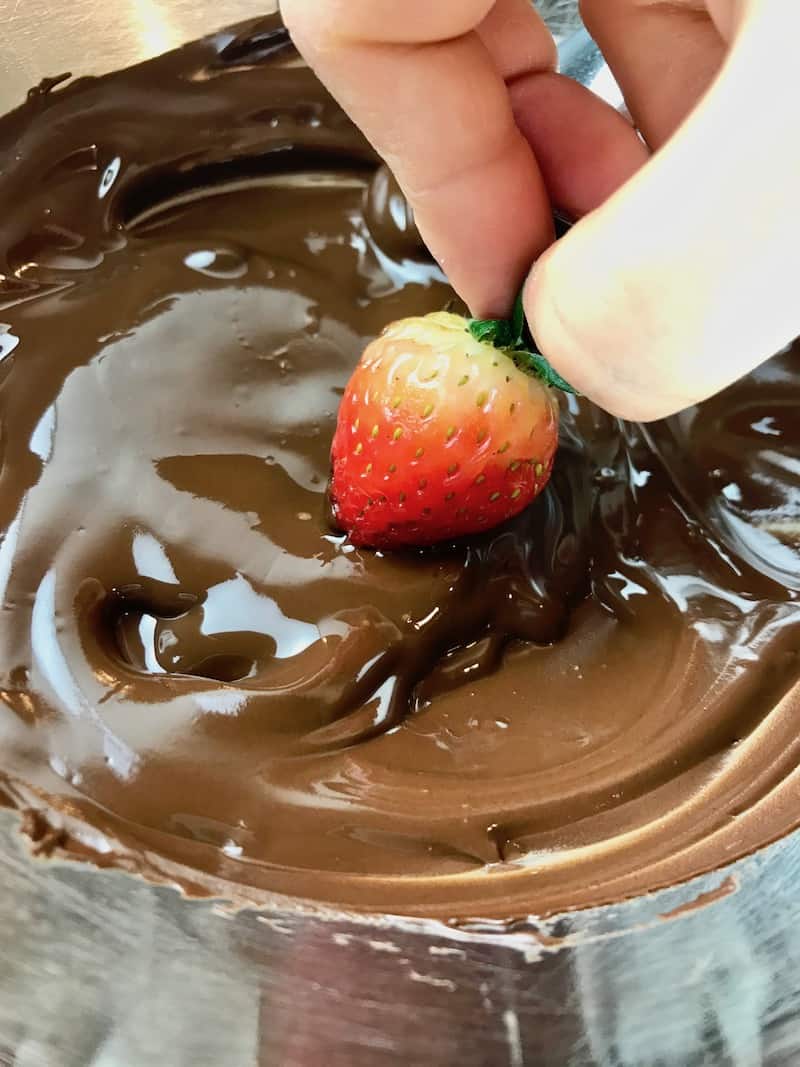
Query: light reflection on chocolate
[[203, 682]]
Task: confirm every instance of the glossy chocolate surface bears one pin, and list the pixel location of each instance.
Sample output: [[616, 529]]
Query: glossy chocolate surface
[[204, 682]]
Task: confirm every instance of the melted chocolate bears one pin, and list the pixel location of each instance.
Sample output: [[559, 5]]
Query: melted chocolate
[[202, 681]]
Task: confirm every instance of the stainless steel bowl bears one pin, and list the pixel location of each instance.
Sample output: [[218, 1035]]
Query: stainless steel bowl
[[101, 969]]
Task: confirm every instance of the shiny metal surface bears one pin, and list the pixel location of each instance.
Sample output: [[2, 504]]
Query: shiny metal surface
[[101, 969]]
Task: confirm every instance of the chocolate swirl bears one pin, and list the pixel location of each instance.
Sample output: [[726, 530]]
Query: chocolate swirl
[[203, 681]]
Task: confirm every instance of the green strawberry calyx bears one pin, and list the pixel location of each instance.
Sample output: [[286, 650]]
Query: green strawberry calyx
[[513, 337]]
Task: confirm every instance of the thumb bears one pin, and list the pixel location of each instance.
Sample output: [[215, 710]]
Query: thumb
[[687, 277]]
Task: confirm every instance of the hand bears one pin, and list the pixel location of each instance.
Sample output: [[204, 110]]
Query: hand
[[682, 273]]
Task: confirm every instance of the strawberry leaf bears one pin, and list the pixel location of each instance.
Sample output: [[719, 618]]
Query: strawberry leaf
[[513, 336], [495, 332], [534, 363]]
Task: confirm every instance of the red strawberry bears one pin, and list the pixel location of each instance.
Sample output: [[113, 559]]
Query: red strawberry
[[440, 434]]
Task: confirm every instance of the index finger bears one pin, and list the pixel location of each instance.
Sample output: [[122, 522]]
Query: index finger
[[423, 84]]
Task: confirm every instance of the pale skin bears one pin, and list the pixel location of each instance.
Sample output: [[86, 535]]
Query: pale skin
[[683, 271]]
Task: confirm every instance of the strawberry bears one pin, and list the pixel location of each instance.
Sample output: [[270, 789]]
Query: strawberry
[[441, 432]]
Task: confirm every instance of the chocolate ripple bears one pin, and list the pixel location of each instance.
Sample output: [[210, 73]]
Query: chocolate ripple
[[204, 682]]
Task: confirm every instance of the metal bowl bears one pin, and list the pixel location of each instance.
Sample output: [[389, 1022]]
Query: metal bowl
[[102, 969]]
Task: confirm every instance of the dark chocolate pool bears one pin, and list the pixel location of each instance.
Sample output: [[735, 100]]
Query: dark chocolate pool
[[203, 682]]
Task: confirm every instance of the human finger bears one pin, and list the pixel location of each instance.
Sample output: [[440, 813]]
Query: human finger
[[686, 277], [426, 84]]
